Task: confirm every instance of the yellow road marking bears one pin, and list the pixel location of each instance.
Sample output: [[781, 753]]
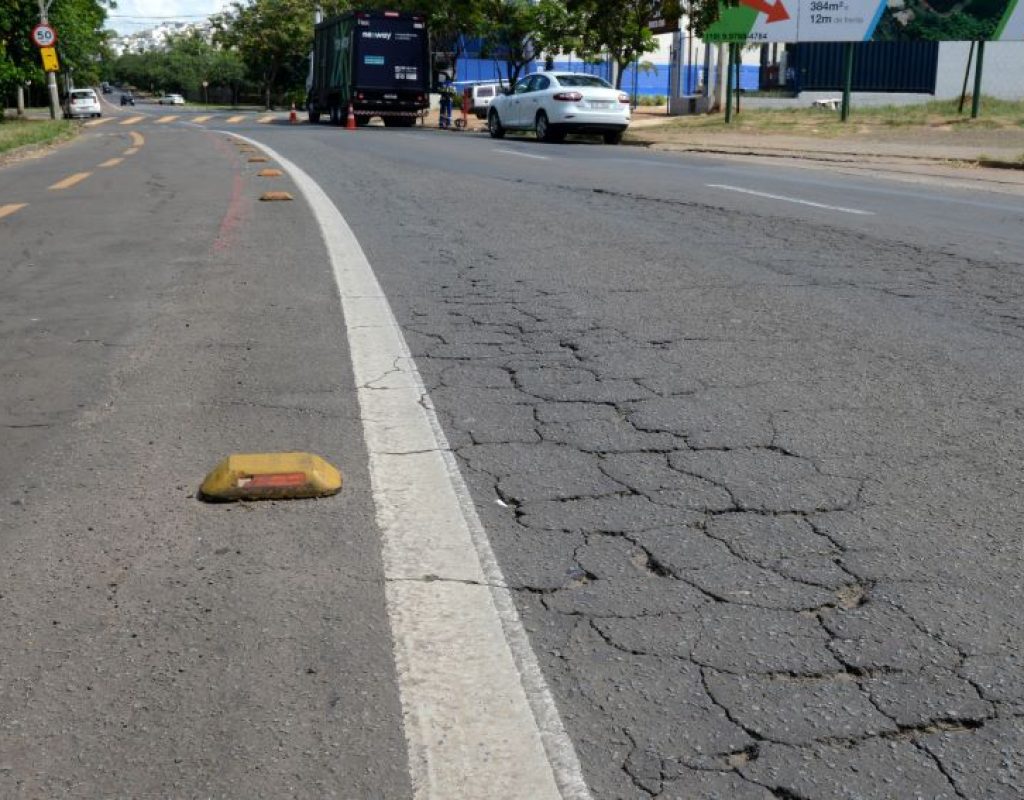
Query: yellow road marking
[[168, 118], [131, 151], [132, 120], [71, 180], [267, 118], [137, 139], [111, 162], [100, 121], [202, 118], [10, 208], [239, 118]]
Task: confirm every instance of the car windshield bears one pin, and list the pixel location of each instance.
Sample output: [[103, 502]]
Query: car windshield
[[583, 80], [82, 95]]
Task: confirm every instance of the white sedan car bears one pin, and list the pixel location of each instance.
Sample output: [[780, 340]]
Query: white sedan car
[[553, 104], [172, 100]]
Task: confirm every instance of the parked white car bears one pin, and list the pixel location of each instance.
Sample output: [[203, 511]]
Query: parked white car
[[553, 104], [82, 103], [172, 100], [480, 97]]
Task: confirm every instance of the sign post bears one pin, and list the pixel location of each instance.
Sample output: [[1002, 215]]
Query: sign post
[[976, 99], [44, 36], [844, 115]]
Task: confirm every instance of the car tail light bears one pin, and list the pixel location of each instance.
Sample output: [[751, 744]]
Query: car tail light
[[623, 97], [569, 97]]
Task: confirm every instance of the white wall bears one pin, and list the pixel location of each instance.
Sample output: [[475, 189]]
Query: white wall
[[1002, 71]]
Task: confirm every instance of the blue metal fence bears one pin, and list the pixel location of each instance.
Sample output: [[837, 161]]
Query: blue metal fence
[[650, 81]]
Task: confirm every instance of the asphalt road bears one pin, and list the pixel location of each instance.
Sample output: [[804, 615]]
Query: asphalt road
[[745, 441]]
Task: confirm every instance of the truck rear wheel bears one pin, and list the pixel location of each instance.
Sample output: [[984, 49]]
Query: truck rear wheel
[[335, 115], [314, 114]]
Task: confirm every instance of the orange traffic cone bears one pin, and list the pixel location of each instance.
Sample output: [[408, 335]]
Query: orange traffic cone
[[350, 123], [293, 118]]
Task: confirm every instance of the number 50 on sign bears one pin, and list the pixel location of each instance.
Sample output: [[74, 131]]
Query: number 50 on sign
[[43, 35]]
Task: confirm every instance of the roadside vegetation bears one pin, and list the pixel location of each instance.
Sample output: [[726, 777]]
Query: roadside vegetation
[[15, 133], [943, 115]]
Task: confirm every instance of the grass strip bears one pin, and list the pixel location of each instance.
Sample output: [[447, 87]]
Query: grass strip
[[15, 133]]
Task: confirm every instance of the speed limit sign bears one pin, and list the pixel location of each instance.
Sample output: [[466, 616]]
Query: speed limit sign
[[43, 35]]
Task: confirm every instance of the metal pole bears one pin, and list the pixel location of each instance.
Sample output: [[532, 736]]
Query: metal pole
[[728, 87], [51, 78], [844, 115], [739, 83], [967, 74], [976, 100]]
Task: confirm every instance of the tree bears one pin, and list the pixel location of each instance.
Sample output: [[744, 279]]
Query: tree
[[517, 31], [82, 40], [272, 37], [620, 28]]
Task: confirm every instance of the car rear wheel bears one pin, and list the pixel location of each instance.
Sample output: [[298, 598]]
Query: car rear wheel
[[613, 137], [546, 132], [494, 126]]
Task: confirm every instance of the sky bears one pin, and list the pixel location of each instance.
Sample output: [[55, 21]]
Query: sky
[[137, 15]]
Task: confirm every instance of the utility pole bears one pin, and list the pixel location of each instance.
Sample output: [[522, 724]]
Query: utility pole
[[51, 78]]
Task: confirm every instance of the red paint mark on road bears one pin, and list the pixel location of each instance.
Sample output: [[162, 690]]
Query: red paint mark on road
[[233, 216]]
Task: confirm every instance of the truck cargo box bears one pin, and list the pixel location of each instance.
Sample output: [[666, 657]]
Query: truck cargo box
[[377, 61]]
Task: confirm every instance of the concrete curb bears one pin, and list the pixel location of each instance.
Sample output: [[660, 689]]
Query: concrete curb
[[828, 156]]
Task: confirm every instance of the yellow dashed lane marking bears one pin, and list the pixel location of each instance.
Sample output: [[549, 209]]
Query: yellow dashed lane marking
[[132, 120], [239, 118], [168, 118], [131, 151], [101, 121], [267, 118], [111, 162], [71, 180], [202, 118], [10, 208], [137, 139]]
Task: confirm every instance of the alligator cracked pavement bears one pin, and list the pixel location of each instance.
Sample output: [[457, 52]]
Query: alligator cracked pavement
[[778, 522]]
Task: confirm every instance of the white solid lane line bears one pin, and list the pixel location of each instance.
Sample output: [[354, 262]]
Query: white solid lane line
[[517, 153], [480, 721], [789, 199]]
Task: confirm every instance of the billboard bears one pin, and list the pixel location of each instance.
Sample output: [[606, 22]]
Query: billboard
[[758, 21]]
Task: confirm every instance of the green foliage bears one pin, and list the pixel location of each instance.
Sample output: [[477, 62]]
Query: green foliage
[[181, 67], [620, 28], [273, 38], [82, 40]]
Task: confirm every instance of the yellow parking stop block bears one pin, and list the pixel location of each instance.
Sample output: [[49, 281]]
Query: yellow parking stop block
[[270, 173], [271, 476], [258, 159], [269, 197]]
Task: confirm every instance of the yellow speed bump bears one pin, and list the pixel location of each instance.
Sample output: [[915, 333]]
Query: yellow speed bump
[[270, 476], [270, 197], [270, 173]]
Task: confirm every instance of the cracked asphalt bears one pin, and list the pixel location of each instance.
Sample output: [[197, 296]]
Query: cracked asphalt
[[754, 470], [746, 442]]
